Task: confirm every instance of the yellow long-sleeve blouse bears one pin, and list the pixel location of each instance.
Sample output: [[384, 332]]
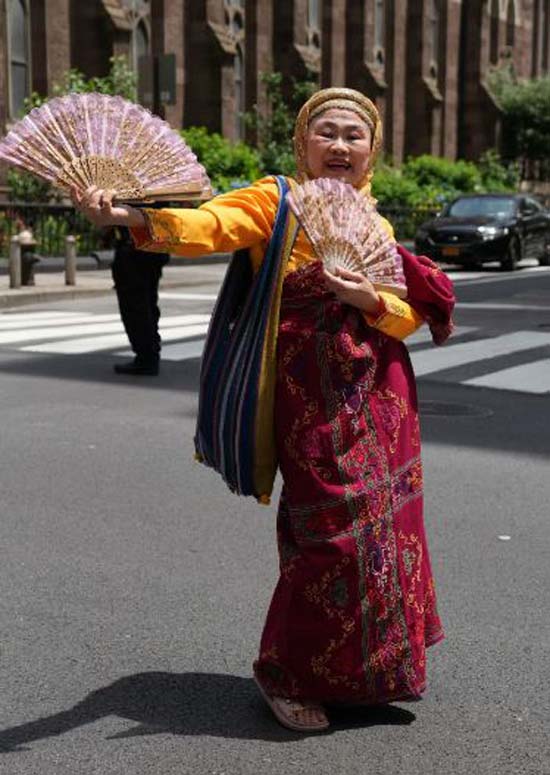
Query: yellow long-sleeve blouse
[[244, 218]]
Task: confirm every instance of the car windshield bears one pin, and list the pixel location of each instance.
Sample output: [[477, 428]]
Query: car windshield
[[496, 207]]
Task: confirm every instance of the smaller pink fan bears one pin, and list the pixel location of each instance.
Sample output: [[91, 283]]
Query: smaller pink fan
[[346, 230]]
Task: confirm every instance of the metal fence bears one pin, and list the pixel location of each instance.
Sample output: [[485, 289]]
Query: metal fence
[[406, 220], [50, 224]]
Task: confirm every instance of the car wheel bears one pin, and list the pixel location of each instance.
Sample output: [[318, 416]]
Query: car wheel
[[513, 255]]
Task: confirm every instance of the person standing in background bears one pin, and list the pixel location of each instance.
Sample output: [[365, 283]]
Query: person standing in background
[[136, 274]]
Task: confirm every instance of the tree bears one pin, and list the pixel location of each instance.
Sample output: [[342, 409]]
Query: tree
[[121, 80], [526, 115], [275, 129]]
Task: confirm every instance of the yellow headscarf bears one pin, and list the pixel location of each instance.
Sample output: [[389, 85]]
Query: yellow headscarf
[[345, 99]]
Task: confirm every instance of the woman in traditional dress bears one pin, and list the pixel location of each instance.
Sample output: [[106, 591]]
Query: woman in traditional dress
[[354, 608]]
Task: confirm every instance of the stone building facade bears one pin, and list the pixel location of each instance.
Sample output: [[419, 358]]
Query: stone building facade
[[424, 62]]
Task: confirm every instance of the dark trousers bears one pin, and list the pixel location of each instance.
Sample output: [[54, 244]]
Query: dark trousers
[[136, 276]]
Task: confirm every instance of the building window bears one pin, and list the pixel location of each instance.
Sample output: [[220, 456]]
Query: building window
[[140, 44], [435, 36], [235, 21], [19, 56], [240, 93], [314, 23], [379, 31], [139, 13], [493, 32], [510, 24]]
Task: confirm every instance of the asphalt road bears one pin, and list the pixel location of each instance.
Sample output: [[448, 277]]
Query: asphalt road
[[134, 585]]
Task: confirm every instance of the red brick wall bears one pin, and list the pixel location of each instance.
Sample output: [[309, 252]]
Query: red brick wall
[[449, 114]]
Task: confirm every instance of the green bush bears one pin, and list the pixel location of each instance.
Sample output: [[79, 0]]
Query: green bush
[[24, 187], [448, 177], [430, 181], [391, 187], [495, 176], [229, 165], [410, 194]]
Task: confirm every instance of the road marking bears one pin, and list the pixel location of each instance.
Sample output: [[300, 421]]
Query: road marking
[[531, 377], [115, 327], [502, 305], [424, 335], [36, 316], [523, 274], [11, 325], [110, 341], [73, 333], [189, 296], [451, 356]]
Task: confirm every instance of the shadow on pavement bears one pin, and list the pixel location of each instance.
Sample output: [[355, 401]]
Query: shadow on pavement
[[497, 419], [186, 704], [174, 375]]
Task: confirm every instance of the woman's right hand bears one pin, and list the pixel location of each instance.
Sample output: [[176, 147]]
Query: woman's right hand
[[97, 205]]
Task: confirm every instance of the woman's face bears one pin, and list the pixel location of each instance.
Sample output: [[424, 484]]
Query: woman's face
[[338, 146]]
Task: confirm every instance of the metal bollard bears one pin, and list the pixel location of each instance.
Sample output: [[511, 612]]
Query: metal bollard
[[15, 262], [70, 260]]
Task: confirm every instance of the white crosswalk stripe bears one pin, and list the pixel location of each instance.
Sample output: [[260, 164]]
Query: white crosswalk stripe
[[535, 375], [454, 355], [183, 336], [67, 333]]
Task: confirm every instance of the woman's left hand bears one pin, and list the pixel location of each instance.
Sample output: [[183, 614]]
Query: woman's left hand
[[353, 288]]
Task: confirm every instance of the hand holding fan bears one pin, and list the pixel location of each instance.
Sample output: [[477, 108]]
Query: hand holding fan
[[345, 230], [90, 139]]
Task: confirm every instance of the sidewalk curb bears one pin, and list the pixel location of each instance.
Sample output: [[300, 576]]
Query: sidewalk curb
[[35, 295], [16, 299]]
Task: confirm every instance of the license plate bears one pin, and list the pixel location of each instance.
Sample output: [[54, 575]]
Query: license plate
[[452, 251]]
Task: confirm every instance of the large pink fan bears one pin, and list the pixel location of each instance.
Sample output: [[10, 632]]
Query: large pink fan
[[346, 230], [82, 140]]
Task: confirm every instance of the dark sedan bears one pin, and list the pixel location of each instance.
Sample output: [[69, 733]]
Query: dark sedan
[[478, 228]]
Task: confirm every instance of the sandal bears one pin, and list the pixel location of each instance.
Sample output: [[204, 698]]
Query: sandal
[[295, 715]]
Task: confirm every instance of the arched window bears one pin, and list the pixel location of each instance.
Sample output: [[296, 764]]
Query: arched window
[[138, 14], [435, 36], [140, 43], [379, 31], [19, 56], [510, 23], [314, 13], [314, 23], [493, 32]]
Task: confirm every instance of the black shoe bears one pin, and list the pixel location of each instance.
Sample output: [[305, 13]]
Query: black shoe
[[138, 368]]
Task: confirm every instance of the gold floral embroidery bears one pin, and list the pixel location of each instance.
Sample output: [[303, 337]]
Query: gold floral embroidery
[[330, 594], [412, 562], [392, 412]]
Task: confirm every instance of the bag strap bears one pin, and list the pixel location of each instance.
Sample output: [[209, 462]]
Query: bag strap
[[265, 455]]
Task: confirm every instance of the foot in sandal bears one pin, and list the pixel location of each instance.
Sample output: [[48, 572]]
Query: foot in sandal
[[300, 716]]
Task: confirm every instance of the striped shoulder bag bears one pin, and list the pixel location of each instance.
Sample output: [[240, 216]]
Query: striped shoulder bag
[[235, 427]]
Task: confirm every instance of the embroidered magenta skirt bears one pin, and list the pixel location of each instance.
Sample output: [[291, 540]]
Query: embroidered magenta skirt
[[354, 608]]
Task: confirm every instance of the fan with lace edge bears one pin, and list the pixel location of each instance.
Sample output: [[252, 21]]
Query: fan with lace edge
[[90, 139], [345, 230]]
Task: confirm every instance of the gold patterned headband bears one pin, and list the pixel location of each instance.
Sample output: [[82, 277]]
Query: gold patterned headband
[[344, 99]]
